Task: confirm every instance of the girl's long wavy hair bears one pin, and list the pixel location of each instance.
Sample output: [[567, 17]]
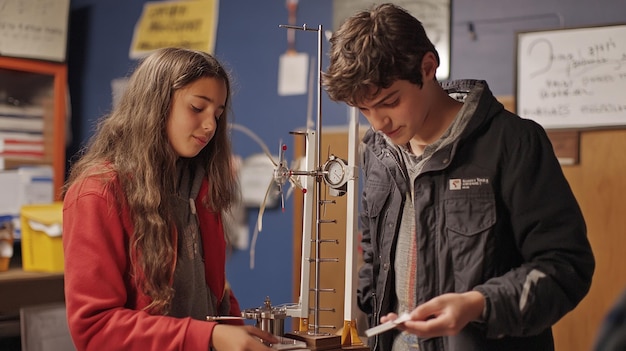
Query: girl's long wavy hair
[[132, 141]]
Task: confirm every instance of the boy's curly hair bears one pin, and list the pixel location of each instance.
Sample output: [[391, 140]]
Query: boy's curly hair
[[371, 50]]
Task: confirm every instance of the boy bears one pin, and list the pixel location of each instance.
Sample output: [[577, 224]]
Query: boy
[[468, 221]]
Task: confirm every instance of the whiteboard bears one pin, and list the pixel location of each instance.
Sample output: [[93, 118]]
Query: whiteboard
[[34, 29], [572, 78]]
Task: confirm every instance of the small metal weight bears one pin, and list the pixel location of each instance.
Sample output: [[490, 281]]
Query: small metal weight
[[268, 318]]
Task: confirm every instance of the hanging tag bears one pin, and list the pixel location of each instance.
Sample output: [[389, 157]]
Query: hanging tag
[[292, 73]]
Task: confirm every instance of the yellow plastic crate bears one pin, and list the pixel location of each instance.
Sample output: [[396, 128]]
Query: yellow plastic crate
[[42, 246]]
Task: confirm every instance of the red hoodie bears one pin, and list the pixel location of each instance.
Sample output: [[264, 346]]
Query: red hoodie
[[104, 305]]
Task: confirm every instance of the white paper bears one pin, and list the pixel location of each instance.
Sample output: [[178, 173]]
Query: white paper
[[388, 325], [118, 87], [292, 74], [34, 29], [256, 175]]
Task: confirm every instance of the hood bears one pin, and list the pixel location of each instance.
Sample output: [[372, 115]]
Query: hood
[[477, 93]]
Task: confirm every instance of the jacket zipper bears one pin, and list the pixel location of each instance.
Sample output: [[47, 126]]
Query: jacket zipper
[[376, 318]]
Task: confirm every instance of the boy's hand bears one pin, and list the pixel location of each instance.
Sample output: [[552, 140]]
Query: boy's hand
[[443, 315]]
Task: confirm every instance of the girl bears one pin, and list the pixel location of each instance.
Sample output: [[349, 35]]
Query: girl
[[142, 228]]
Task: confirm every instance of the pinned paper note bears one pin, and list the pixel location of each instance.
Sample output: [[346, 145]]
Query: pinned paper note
[[292, 73], [34, 29], [186, 24]]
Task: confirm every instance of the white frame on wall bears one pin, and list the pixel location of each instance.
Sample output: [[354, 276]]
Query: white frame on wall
[[572, 78]]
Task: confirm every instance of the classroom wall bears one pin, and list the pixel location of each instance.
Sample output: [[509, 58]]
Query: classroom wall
[[250, 43]]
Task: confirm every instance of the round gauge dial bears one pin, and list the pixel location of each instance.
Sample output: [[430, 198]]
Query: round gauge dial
[[335, 172]]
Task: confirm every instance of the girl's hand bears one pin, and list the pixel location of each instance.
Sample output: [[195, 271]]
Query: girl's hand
[[240, 338]]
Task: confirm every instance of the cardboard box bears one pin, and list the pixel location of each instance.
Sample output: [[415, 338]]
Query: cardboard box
[[23, 186], [42, 246]]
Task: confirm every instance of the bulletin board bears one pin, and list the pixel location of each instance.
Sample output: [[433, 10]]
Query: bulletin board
[[35, 29], [572, 78], [434, 15]]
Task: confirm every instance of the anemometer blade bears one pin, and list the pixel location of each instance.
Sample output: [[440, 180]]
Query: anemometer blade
[[262, 208], [256, 138]]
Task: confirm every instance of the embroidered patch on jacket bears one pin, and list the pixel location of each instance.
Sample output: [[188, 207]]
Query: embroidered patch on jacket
[[459, 184]]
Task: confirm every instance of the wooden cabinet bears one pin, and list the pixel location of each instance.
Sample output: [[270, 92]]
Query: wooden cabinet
[[598, 183], [32, 132], [33, 102], [333, 234]]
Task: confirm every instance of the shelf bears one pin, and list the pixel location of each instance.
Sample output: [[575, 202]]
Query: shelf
[[20, 288], [42, 84]]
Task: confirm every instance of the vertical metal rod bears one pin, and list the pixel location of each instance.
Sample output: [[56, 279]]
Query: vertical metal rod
[[319, 94], [318, 180], [318, 128]]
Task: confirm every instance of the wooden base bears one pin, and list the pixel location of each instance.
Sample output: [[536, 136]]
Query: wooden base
[[317, 342], [355, 348]]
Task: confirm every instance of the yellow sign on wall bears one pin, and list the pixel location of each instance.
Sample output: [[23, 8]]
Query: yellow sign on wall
[[187, 24]]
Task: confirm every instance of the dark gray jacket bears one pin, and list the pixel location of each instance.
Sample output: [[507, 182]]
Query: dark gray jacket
[[494, 213]]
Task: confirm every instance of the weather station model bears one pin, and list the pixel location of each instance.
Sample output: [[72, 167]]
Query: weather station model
[[339, 177]]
